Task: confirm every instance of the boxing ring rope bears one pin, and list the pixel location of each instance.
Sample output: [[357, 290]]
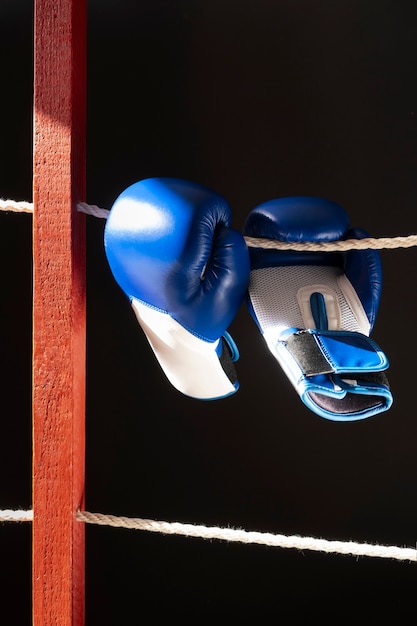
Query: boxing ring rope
[[350, 548], [375, 243], [59, 323]]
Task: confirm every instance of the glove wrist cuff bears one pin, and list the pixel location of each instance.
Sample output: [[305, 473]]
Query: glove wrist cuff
[[197, 368]]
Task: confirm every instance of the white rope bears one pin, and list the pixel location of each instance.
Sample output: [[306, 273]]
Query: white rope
[[243, 536], [329, 246], [92, 209], [17, 207], [8, 515], [27, 207], [253, 242], [351, 548]]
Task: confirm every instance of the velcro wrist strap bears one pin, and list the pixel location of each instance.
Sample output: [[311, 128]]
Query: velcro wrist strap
[[338, 352]]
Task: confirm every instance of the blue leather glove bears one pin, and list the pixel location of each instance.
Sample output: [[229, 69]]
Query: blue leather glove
[[316, 310], [172, 250]]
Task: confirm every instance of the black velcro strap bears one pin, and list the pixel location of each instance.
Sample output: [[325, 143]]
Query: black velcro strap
[[308, 355]]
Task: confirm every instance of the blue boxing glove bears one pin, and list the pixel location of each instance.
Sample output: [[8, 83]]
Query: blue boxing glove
[[171, 249], [316, 310]]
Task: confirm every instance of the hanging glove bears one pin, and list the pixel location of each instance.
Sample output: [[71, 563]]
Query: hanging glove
[[316, 310], [172, 250]]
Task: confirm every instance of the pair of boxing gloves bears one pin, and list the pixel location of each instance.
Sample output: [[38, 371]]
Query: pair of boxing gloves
[[186, 272]]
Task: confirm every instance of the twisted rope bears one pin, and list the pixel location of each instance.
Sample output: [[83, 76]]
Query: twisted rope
[[351, 548], [92, 209], [17, 207], [253, 537], [7, 515], [348, 244], [331, 246]]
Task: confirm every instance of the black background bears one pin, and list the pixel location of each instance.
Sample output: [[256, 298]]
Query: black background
[[256, 100]]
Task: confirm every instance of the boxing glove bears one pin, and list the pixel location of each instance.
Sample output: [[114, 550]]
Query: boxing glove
[[316, 310], [171, 248]]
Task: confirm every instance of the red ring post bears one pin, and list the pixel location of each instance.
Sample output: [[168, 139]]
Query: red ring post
[[58, 311]]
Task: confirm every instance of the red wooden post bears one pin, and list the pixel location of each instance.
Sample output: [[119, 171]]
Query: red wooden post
[[58, 312]]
